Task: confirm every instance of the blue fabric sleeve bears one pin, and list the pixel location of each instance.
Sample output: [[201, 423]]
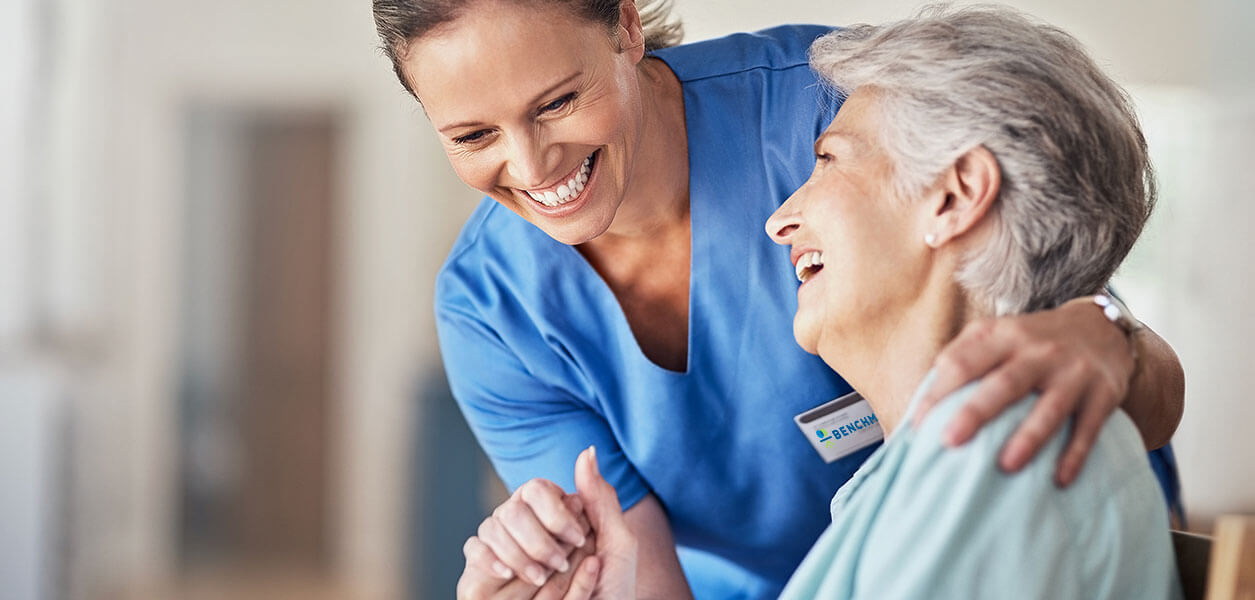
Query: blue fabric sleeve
[[527, 428]]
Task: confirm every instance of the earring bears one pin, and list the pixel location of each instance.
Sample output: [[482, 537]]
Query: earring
[[931, 240]]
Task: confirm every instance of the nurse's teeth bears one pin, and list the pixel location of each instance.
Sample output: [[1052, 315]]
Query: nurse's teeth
[[567, 191]]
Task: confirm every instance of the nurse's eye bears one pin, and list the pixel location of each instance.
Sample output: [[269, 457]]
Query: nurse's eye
[[471, 138], [557, 104]]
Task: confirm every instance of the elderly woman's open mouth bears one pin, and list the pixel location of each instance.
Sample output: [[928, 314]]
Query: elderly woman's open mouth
[[808, 265]]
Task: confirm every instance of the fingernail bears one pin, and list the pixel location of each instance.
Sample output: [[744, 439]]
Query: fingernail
[[536, 575], [950, 437], [592, 453], [1013, 458], [1067, 472], [575, 534], [501, 570], [559, 563]]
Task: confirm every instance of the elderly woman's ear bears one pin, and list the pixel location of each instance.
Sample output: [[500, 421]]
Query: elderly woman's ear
[[964, 194]]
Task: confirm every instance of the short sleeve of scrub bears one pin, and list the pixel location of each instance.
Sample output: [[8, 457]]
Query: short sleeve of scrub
[[528, 427]]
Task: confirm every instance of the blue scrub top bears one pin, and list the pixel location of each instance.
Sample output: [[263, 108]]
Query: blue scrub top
[[543, 363]]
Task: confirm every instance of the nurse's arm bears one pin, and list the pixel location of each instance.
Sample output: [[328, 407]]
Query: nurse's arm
[[1083, 367], [658, 572]]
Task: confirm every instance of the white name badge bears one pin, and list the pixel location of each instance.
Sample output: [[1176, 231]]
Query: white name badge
[[841, 427]]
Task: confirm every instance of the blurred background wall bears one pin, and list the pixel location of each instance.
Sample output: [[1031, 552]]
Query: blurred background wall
[[219, 227]]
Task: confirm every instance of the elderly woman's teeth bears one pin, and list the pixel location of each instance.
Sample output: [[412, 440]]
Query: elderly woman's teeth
[[568, 191], [808, 264]]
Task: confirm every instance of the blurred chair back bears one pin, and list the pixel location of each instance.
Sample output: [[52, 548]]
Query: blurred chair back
[[1221, 567], [1231, 575], [1193, 552]]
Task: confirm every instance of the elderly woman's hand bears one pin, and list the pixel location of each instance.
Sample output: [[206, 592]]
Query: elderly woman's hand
[[531, 536], [577, 583], [1079, 362]]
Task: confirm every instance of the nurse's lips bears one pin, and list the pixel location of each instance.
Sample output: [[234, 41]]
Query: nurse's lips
[[806, 263], [566, 190]]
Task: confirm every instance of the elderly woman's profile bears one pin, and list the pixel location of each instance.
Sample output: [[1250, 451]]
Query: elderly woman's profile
[[981, 165]]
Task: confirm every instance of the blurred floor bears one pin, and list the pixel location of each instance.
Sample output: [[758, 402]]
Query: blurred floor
[[242, 584]]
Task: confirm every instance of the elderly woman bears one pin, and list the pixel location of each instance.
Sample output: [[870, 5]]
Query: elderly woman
[[982, 165], [614, 288]]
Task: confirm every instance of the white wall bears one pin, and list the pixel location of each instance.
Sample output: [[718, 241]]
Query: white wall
[[17, 72], [1147, 41]]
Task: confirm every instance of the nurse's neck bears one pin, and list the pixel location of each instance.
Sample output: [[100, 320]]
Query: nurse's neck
[[656, 196], [889, 356]]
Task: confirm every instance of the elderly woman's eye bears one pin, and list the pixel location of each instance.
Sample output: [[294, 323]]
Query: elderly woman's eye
[[557, 104], [820, 157]]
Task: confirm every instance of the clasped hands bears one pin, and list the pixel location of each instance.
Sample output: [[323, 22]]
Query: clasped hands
[[546, 544]]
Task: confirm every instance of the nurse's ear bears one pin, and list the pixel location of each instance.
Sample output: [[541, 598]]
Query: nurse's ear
[[966, 192], [630, 32]]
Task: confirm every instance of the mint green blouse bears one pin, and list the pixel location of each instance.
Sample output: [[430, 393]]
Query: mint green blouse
[[919, 520]]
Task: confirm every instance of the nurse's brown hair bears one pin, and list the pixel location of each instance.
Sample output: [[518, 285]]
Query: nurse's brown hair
[[400, 22]]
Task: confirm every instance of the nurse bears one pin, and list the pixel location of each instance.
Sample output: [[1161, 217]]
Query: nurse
[[614, 289]]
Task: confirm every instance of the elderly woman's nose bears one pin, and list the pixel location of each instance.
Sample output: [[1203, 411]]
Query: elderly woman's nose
[[783, 223]]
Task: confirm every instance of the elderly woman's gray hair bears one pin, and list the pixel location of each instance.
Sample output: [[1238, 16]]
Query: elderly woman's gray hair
[[1077, 185]]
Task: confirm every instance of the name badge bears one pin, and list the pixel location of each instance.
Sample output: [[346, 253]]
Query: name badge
[[841, 427]]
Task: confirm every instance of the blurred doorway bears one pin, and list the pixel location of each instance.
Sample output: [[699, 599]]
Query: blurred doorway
[[255, 439]]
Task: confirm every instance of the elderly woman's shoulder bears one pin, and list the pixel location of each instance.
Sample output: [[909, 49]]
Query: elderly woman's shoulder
[[1117, 448]]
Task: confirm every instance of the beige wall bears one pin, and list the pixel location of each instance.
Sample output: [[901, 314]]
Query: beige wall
[[127, 69], [1152, 41]]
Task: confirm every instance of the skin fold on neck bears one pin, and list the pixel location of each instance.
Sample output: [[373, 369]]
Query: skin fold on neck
[[887, 357]]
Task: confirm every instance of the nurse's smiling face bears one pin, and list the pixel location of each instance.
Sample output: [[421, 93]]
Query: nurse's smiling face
[[537, 108], [857, 250]]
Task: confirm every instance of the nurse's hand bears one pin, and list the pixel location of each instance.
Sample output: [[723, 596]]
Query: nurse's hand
[[614, 561], [1079, 362], [528, 538]]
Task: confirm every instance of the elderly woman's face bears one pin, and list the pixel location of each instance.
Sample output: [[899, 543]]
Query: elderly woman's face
[[536, 108], [856, 249]]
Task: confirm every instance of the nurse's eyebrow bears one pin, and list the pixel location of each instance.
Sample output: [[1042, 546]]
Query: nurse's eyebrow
[[553, 88], [533, 102]]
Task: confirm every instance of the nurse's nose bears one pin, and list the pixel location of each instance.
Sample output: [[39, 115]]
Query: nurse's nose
[[785, 221], [531, 162]]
